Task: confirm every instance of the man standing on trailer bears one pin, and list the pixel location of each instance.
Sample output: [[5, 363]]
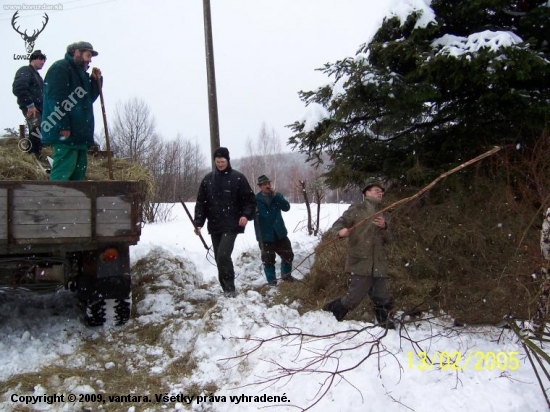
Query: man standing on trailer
[[27, 87], [68, 118]]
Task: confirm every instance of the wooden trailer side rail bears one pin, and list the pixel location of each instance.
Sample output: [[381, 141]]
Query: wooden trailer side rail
[[73, 214]]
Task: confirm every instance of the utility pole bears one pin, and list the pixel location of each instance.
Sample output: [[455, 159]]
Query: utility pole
[[211, 78]]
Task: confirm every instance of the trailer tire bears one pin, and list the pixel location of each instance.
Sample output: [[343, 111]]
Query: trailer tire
[[123, 308], [95, 312]]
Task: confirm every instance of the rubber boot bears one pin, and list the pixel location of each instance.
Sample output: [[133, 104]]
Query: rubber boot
[[286, 269], [384, 316], [337, 309], [270, 275]]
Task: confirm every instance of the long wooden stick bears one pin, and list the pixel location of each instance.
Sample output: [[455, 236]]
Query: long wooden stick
[[193, 223], [430, 186], [410, 198], [107, 140]]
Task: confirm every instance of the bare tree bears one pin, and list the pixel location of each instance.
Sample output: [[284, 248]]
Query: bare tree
[[261, 156], [268, 146], [541, 316], [189, 164], [133, 132], [302, 184], [175, 166], [318, 188], [250, 166], [176, 169], [10, 132]]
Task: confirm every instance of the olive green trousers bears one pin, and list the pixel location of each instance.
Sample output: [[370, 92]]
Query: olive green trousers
[[69, 162]]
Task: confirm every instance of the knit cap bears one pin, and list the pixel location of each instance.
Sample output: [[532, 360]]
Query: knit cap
[[222, 152]]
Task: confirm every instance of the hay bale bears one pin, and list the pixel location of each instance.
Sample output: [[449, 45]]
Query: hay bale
[[18, 165], [122, 170]]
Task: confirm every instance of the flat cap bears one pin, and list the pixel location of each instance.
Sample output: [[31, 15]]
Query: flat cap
[[373, 182], [263, 179], [81, 45]]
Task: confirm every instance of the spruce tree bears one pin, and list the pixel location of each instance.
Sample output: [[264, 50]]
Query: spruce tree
[[431, 96]]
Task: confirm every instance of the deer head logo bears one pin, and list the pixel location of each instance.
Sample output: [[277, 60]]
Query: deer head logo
[[29, 40]]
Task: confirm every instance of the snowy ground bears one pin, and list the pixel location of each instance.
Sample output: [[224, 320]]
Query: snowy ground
[[206, 352]]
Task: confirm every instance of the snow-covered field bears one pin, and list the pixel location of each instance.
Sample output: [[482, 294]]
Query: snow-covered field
[[220, 354]]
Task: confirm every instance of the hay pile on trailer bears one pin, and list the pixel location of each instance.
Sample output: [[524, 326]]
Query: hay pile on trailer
[[16, 164]]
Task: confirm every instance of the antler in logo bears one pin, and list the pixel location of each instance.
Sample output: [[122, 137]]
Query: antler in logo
[[29, 40]]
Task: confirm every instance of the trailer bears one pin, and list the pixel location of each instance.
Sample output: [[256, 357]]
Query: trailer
[[75, 235]]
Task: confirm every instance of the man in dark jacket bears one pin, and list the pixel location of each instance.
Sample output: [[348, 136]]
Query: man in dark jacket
[[226, 200], [271, 232], [68, 119], [366, 256], [28, 86]]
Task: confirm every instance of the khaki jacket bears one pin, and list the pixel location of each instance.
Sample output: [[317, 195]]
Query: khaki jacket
[[366, 251]]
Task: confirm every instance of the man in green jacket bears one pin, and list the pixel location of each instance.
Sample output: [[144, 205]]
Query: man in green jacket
[[68, 116], [366, 257], [271, 232]]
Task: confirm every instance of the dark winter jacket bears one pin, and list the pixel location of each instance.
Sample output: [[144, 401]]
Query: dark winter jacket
[[223, 198], [269, 223], [27, 86], [69, 93], [366, 253]]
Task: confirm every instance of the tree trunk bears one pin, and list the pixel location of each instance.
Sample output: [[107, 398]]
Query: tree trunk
[[308, 207], [539, 321]]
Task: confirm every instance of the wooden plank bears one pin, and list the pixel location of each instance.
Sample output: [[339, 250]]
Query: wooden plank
[[114, 229], [51, 231], [45, 244], [3, 214], [34, 197], [42, 191], [10, 211], [93, 235], [42, 213], [114, 202], [51, 203], [48, 217], [114, 216]]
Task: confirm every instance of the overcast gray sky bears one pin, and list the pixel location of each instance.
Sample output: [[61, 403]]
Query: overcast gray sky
[[265, 52]]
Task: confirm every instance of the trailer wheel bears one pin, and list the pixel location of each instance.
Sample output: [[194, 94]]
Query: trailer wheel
[[95, 312], [123, 307]]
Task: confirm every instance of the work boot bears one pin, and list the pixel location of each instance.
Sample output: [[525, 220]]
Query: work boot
[[337, 309], [384, 315], [286, 269], [288, 278], [227, 284], [270, 275]]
